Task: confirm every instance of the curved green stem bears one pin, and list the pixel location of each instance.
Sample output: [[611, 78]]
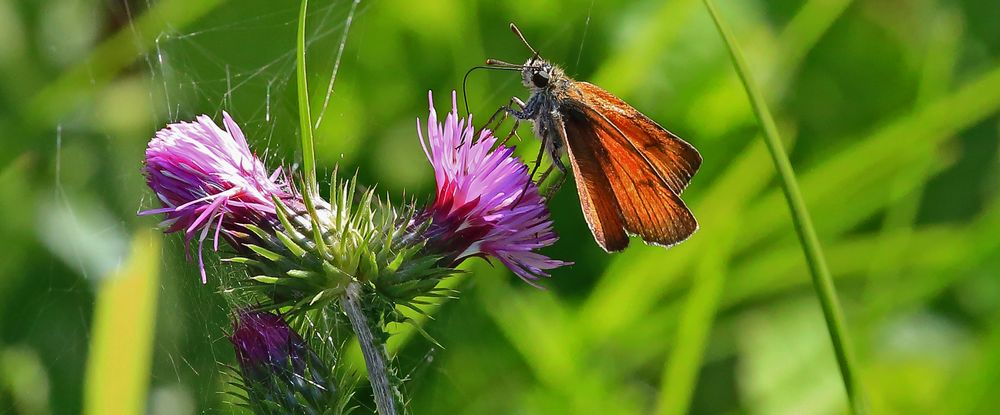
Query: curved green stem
[[822, 281], [373, 351], [305, 114]]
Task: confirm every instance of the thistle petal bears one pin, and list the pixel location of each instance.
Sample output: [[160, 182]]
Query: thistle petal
[[486, 202], [205, 176]]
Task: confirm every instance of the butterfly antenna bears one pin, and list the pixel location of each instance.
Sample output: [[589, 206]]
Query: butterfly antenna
[[465, 94], [492, 64], [513, 28], [499, 64]]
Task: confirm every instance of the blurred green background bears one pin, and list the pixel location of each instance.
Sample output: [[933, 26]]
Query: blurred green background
[[889, 107]]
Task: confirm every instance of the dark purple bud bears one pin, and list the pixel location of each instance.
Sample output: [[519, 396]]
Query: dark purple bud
[[265, 344]]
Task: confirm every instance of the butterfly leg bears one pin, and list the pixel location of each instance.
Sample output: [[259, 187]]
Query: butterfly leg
[[517, 119], [513, 133], [513, 107], [503, 111], [545, 174], [478, 132], [560, 178], [500, 111], [538, 162], [554, 143]]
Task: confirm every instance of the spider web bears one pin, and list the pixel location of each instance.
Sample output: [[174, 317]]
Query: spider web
[[239, 58]]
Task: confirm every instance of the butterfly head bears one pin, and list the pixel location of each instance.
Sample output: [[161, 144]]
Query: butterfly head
[[538, 74]]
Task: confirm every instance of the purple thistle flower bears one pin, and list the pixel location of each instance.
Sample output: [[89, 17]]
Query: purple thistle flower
[[486, 203], [206, 177], [265, 343]]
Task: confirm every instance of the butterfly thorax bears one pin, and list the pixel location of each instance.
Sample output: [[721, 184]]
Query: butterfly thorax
[[549, 87]]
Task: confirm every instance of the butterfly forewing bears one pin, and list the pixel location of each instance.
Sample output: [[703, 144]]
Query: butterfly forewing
[[673, 159], [647, 203]]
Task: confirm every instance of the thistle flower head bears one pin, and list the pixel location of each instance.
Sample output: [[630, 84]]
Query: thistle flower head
[[279, 372], [264, 343], [207, 179], [486, 203]]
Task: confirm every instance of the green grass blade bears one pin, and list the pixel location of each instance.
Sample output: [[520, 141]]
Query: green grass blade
[[305, 114], [822, 281], [121, 345]]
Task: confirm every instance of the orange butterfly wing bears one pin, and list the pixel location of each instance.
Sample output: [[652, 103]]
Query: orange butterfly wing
[[597, 199], [644, 172], [673, 159]]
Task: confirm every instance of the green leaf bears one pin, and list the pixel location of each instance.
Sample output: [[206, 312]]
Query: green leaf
[[282, 212], [245, 261], [297, 250], [257, 231], [303, 274], [264, 279], [317, 297], [264, 252]]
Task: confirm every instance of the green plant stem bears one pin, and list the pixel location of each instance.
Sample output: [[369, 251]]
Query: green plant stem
[[373, 351], [822, 281], [305, 114]]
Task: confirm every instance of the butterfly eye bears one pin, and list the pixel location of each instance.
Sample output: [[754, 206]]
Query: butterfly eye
[[540, 79]]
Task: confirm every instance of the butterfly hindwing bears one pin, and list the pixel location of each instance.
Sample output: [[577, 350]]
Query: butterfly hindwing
[[647, 204], [597, 199]]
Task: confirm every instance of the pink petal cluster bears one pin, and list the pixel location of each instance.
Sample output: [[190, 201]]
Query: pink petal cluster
[[486, 203], [207, 180]]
